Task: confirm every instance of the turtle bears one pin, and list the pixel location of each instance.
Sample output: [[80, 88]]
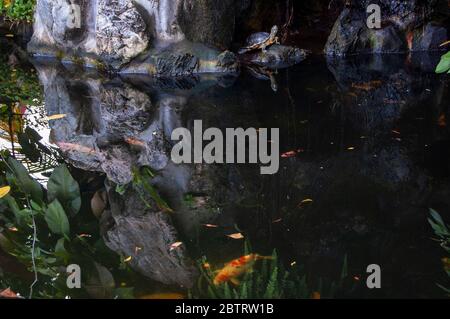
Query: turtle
[[261, 40]]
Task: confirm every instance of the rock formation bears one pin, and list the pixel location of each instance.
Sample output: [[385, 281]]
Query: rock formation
[[109, 34], [411, 25]]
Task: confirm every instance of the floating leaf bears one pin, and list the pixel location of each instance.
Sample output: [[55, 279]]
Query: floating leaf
[[127, 260], [56, 219], [175, 245], [210, 226], [56, 117], [305, 202], [291, 153], [4, 191], [236, 236]]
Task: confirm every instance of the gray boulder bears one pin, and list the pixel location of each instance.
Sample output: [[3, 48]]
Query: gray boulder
[[404, 26], [146, 234], [109, 31]]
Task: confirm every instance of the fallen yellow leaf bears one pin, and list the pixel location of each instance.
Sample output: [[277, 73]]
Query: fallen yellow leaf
[[175, 245], [4, 191], [127, 259], [236, 236], [445, 43], [305, 201], [56, 117], [211, 226]]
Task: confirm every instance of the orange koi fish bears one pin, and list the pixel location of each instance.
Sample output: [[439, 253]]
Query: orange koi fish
[[237, 268]]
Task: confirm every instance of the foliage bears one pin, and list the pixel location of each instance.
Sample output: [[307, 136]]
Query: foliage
[[37, 227], [442, 231], [444, 64], [18, 10], [20, 85], [142, 183], [269, 280]]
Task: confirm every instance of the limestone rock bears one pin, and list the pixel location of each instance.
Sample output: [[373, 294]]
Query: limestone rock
[[405, 25], [112, 31], [146, 234]]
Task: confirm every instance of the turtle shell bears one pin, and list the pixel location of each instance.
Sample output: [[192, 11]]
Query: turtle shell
[[257, 38]]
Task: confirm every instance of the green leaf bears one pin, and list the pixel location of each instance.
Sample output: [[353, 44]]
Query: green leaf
[[56, 219], [444, 64], [63, 187], [60, 250], [23, 180]]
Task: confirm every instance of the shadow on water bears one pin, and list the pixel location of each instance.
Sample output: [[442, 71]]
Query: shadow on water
[[365, 143]]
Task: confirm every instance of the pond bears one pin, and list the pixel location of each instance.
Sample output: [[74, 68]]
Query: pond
[[364, 155]]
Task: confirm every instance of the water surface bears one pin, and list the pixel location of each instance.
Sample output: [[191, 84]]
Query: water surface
[[371, 146]]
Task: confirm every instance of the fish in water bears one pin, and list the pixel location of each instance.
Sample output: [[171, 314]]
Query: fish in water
[[237, 268]]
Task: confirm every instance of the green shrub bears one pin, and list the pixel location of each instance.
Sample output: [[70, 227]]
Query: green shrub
[[442, 231], [18, 10], [444, 64]]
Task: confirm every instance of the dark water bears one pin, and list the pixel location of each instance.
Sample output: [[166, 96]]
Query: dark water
[[372, 153]]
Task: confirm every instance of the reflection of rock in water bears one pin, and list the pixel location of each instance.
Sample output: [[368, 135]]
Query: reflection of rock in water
[[378, 89], [108, 127], [367, 201], [146, 235], [112, 127], [405, 26]]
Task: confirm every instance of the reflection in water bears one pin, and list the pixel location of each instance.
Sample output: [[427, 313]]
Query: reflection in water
[[371, 154]]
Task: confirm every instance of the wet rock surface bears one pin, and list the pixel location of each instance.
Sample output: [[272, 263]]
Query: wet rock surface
[[146, 234], [110, 31], [183, 59], [108, 125], [362, 159], [406, 26], [277, 56], [154, 37]]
